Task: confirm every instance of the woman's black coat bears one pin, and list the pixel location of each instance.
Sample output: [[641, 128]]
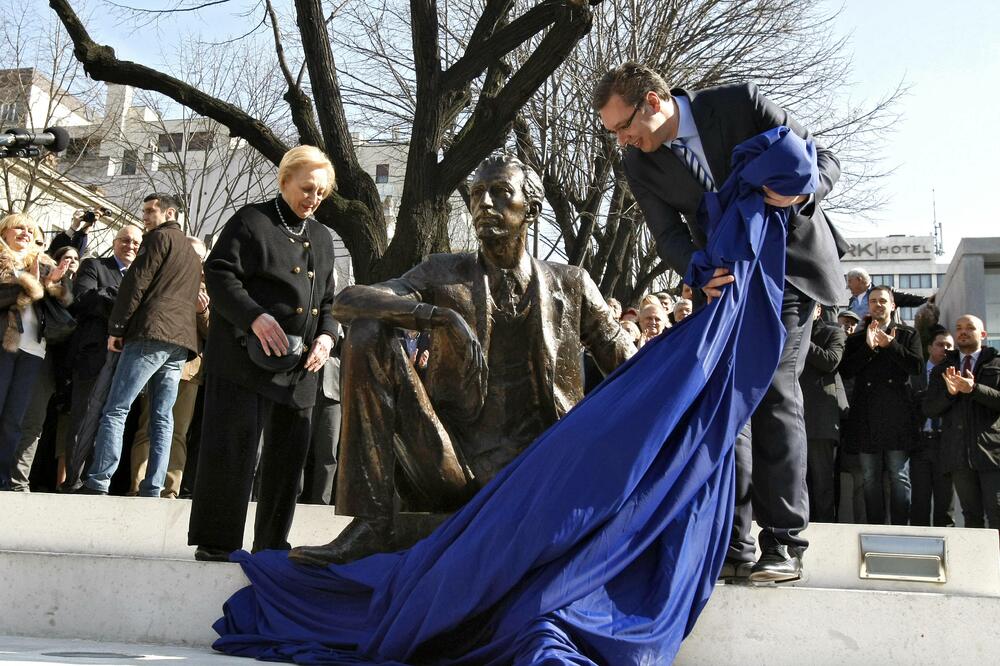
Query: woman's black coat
[[257, 266]]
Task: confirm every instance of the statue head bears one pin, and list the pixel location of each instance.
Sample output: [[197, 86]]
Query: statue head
[[505, 198]]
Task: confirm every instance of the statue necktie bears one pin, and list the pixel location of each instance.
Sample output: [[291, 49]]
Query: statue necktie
[[688, 157]]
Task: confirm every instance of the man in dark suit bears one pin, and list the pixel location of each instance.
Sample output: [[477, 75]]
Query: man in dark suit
[[930, 485], [680, 145], [964, 392], [94, 292], [823, 398]]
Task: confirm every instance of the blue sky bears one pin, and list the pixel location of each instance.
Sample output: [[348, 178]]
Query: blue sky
[[949, 130], [949, 134]]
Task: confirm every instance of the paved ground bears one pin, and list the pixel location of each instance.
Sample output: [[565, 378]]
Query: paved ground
[[16, 650]]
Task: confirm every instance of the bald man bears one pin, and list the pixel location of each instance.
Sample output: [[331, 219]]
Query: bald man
[[964, 392]]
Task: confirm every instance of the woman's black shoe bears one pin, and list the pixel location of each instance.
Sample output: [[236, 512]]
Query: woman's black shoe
[[211, 554]]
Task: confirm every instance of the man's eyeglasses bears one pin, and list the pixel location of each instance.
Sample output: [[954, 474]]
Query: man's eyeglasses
[[628, 123]]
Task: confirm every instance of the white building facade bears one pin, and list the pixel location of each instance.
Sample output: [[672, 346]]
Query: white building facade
[[905, 263]]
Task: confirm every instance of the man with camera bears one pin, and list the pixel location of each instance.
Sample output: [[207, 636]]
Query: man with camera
[[80, 227]]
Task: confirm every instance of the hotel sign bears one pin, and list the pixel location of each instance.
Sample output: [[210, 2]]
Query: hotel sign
[[890, 249]]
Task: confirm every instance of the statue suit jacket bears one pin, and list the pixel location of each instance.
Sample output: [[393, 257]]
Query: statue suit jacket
[[570, 314], [669, 194]]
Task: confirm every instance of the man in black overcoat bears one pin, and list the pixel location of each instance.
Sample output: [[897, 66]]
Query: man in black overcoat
[[823, 398], [881, 356]]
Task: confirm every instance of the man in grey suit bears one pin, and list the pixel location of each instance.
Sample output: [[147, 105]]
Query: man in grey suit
[[680, 145]]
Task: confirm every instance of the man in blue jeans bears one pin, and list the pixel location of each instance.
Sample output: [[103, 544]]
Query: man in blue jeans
[[153, 325]]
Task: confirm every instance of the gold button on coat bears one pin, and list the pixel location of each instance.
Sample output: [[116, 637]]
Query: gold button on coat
[[305, 243], [299, 310], [315, 311], [310, 274], [296, 270]]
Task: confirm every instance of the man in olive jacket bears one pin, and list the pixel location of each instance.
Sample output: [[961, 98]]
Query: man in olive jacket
[[153, 325], [964, 391]]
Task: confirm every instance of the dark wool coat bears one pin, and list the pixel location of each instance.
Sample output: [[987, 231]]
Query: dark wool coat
[[257, 266], [94, 291], [823, 394], [881, 417], [970, 422]]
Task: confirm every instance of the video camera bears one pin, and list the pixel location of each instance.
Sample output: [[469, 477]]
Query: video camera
[[89, 215], [19, 142]]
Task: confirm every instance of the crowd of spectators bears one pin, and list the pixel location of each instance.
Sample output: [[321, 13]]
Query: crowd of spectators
[[910, 414], [907, 415]]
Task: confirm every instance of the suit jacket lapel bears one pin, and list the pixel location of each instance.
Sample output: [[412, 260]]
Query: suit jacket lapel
[[710, 133]]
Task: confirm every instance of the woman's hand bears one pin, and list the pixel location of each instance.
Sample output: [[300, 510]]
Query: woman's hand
[[57, 273], [272, 339], [319, 353]]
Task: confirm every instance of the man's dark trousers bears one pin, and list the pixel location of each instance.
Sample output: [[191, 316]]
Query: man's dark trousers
[[928, 483], [777, 439]]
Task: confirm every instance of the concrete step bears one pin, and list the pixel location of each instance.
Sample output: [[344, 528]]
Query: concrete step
[[129, 526], [174, 602], [789, 626], [33, 651], [143, 527], [114, 598]]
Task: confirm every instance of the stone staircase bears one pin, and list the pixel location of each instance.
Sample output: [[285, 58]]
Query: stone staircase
[[118, 570]]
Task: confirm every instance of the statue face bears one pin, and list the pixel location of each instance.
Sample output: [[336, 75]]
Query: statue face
[[499, 209]]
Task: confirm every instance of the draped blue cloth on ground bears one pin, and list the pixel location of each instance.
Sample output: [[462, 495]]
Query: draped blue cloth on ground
[[603, 541]]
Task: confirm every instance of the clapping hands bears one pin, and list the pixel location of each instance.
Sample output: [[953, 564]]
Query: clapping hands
[[877, 337], [958, 383]]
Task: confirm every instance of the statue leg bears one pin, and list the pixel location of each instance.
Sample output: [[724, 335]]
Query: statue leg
[[387, 419]]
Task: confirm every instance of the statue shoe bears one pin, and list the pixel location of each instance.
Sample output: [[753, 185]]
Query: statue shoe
[[360, 538]]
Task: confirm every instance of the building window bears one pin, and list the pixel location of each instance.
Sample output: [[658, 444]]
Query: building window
[[381, 173], [130, 161], [170, 142], [10, 112], [907, 314], [82, 147], [940, 279], [887, 280], [200, 140], [916, 281]]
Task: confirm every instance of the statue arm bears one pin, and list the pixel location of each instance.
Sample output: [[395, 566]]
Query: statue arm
[[600, 333], [388, 302]]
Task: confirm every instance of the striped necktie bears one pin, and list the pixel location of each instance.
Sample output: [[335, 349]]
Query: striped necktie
[[687, 156]]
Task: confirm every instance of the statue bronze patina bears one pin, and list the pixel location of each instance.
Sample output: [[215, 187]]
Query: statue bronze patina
[[507, 336]]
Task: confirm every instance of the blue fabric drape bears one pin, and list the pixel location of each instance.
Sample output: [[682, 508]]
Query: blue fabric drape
[[602, 542]]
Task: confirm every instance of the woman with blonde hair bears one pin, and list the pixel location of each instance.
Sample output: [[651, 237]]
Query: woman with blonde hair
[[270, 278], [26, 276]]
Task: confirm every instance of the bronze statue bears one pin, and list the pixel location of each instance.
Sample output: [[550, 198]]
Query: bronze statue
[[507, 336]]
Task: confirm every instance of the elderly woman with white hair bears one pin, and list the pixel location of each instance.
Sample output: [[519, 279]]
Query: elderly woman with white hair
[[270, 277]]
